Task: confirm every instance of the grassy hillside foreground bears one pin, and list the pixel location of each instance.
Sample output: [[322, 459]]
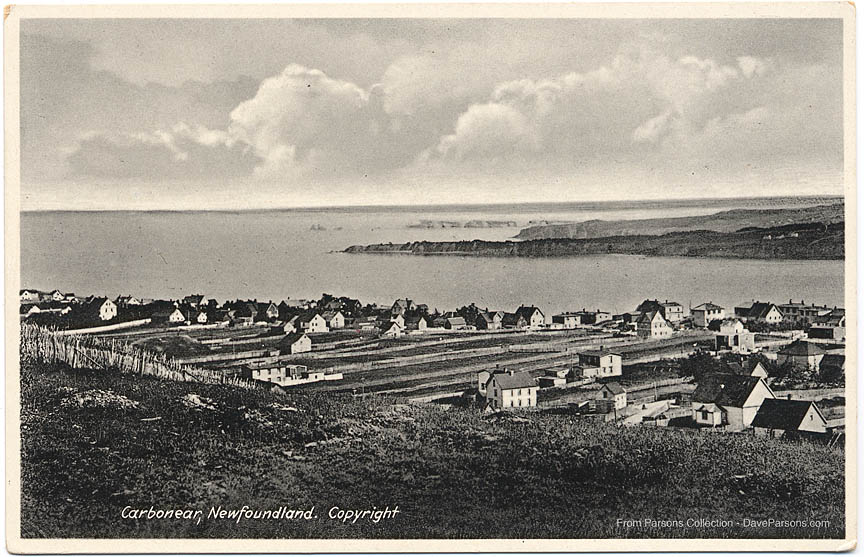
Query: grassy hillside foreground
[[95, 443]]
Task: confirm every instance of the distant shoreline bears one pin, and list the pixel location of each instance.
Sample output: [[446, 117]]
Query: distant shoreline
[[807, 241]]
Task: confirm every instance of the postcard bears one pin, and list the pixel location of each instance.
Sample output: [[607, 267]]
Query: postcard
[[430, 278]]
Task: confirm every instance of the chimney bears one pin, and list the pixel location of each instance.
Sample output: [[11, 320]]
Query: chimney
[[510, 372]]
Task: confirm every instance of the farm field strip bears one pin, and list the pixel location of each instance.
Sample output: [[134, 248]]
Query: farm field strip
[[398, 376]]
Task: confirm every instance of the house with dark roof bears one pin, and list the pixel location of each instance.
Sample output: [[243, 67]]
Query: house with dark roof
[[334, 319], [172, 316], [295, 343], [777, 417], [266, 311], [801, 312], [672, 312], [598, 364], [29, 295], [615, 393], [703, 314], [513, 321], [652, 324], [416, 323], [101, 308], [402, 306], [723, 399], [566, 320], [532, 315], [801, 353], [759, 312], [511, 390], [456, 323], [389, 329], [195, 300], [312, 322], [751, 368], [489, 320]]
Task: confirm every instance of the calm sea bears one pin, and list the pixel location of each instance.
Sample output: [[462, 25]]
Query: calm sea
[[278, 254]]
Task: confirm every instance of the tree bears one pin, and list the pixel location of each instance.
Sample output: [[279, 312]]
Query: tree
[[700, 364]]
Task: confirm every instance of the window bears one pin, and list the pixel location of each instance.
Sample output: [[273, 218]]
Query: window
[[705, 414]]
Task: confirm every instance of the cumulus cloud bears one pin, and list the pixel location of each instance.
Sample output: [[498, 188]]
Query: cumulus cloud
[[183, 152], [647, 106], [489, 131], [641, 97]]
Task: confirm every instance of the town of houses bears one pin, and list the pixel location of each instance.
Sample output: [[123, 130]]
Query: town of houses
[[768, 368]]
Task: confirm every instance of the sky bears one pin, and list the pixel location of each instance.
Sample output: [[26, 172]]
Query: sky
[[216, 114]]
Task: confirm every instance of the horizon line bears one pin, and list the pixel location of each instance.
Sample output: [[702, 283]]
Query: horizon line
[[434, 205]]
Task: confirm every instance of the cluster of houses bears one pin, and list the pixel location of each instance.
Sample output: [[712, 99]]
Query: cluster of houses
[[736, 400], [503, 388], [652, 319]]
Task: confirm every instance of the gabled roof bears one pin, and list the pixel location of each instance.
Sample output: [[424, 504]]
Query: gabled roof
[[802, 348], [291, 338], [308, 316], [745, 368], [520, 380], [614, 388], [387, 326], [707, 307], [648, 316], [778, 413], [512, 319], [456, 320], [527, 311], [725, 389], [491, 316], [759, 310]]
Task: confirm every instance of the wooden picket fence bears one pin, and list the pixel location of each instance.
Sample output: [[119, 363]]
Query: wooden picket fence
[[81, 351]]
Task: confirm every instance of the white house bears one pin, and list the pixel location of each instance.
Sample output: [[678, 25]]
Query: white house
[[511, 390], [334, 319], [778, 416], [653, 325], [103, 308], [313, 323], [30, 295], [567, 320], [417, 323], [389, 329], [532, 315], [295, 343], [703, 314], [733, 336], [600, 363], [735, 400], [763, 312], [615, 392], [172, 316]]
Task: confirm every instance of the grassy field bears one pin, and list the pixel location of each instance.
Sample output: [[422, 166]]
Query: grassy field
[[94, 443]]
